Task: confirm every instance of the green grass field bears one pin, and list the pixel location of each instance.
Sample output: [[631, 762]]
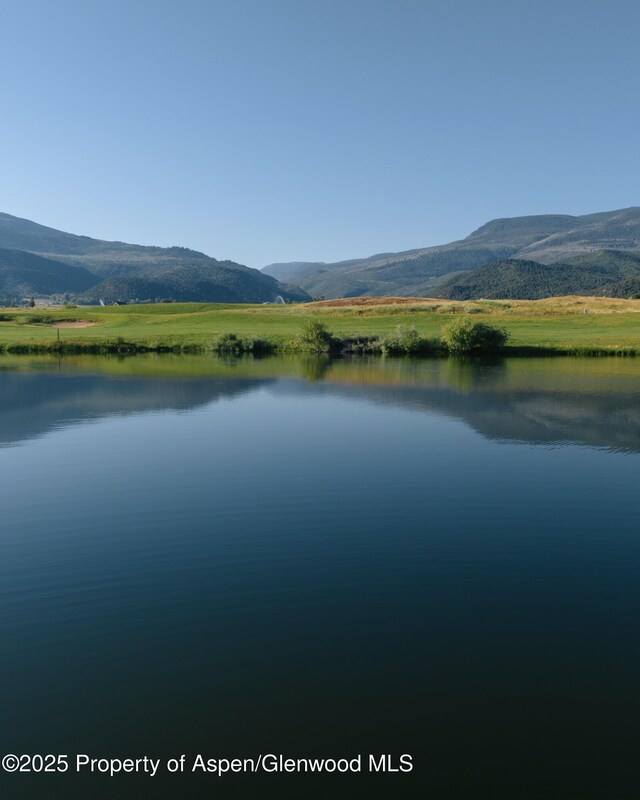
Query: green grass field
[[559, 324]]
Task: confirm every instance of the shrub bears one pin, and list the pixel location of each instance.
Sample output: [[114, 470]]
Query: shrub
[[257, 346], [360, 344], [405, 340], [316, 338], [230, 343], [467, 336]]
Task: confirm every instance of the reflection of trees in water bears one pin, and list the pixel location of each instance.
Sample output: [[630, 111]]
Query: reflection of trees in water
[[464, 373], [562, 401], [315, 368]]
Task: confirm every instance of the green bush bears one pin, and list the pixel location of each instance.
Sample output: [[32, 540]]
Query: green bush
[[360, 344], [466, 336], [257, 346], [230, 343], [316, 338], [405, 340]]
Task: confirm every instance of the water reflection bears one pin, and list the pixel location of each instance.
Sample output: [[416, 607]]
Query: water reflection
[[317, 557], [593, 402]]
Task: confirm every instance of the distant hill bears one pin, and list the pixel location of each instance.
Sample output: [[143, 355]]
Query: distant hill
[[284, 271], [102, 258], [414, 273], [590, 254], [607, 272], [94, 269], [24, 274], [545, 239], [218, 282]]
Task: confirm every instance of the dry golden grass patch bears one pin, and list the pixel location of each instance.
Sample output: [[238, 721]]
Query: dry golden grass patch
[[549, 306]]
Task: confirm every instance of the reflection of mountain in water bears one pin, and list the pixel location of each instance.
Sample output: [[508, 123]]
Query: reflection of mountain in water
[[33, 403], [601, 420]]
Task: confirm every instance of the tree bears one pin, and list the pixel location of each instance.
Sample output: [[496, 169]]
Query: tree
[[315, 337], [465, 336], [404, 340]]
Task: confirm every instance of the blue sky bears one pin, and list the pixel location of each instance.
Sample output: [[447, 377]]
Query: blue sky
[[278, 130]]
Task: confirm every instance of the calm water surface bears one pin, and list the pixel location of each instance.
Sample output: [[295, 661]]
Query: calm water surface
[[323, 559]]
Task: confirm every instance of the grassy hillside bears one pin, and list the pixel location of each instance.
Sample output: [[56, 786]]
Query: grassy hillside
[[557, 324], [611, 230]]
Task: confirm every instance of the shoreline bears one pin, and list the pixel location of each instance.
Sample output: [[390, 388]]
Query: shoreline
[[563, 326], [177, 348]]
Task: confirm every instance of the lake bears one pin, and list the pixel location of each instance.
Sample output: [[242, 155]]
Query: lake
[[322, 559]]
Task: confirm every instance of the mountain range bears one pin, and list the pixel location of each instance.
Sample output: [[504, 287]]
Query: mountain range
[[39, 261], [518, 257], [505, 249]]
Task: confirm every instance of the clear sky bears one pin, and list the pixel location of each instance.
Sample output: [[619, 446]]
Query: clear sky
[[279, 130]]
